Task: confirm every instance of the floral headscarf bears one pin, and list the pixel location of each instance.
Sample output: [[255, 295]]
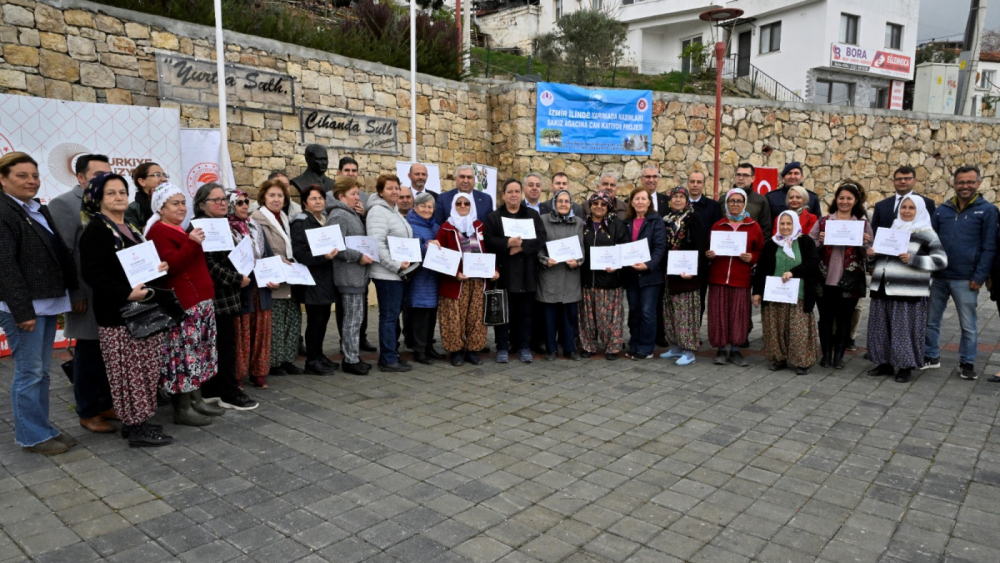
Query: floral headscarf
[[609, 201], [90, 209], [674, 220], [743, 215], [244, 227]]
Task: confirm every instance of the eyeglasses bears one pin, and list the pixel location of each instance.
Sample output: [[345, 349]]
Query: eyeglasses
[[741, 175], [969, 183], [734, 202], [650, 177], [216, 200], [163, 175], [241, 202], [466, 204]]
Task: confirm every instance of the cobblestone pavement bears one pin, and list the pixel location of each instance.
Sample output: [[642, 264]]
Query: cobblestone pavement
[[588, 462]]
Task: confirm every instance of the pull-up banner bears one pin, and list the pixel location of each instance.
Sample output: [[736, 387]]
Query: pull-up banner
[[586, 121]]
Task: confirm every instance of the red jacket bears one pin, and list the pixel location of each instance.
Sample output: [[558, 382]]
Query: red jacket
[[807, 220], [188, 275], [730, 270], [450, 286]]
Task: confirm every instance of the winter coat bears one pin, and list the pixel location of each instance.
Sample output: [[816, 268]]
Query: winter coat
[[422, 291], [560, 283], [349, 275], [188, 274], [913, 279], [615, 235], [518, 273], [324, 292], [807, 271], [102, 271], [450, 286], [730, 270], [279, 238], [383, 221], [655, 235], [969, 237]]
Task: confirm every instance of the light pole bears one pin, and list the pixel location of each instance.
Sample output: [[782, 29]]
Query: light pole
[[715, 16]]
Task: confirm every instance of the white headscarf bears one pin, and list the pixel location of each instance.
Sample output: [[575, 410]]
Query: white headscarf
[[920, 222], [743, 215], [161, 194], [785, 242], [466, 224]]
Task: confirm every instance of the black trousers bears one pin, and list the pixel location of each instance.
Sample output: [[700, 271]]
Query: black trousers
[[519, 305], [90, 380], [340, 320], [317, 318], [224, 384], [539, 328], [835, 309], [420, 325]]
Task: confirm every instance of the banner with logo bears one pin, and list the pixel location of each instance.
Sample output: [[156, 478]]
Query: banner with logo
[[200, 162], [874, 61], [765, 180], [582, 120]]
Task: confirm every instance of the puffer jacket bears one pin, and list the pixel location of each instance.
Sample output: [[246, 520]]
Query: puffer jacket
[[969, 237], [349, 275], [559, 283], [383, 221], [422, 290]]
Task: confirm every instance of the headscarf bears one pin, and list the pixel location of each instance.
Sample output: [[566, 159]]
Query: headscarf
[[920, 222], [805, 198], [742, 216], [161, 194], [785, 242], [674, 220], [91, 208], [556, 216], [467, 224], [609, 202], [244, 227]]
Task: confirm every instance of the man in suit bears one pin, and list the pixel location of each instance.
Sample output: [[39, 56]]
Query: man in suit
[[418, 180], [904, 179], [791, 175], [90, 380], [465, 181], [708, 212], [757, 206], [560, 181], [533, 191]]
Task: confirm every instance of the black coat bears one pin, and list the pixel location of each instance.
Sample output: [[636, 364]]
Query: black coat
[[518, 273], [695, 240], [807, 271], [34, 263], [709, 212], [324, 292], [102, 271], [618, 235]]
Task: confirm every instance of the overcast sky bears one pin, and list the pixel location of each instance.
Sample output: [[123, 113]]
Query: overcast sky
[[945, 19]]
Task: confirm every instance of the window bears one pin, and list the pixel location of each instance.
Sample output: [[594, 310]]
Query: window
[[686, 61], [849, 29], [596, 4], [770, 38], [987, 79], [558, 9], [893, 36], [836, 93], [881, 100]]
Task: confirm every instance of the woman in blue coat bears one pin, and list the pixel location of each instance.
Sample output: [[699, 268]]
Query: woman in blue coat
[[644, 278], [422, 291]]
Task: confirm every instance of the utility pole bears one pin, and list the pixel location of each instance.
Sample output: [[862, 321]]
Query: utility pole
[[968, 62]]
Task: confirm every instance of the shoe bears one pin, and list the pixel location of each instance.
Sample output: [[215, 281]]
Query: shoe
[[277, 370], [422, 358], [66, 439], [801, 371], [585, 354], [316, 367], [366, 346], [486, 350], [967, 371], [291, 369], [365, 365], [827, 360], [687, 358], [433, 354], [610, 356], [127, 430], [838, 358], [328, 362], [456, 359], [184, 414], [394, 368], [97, 425], [778, 366], [851, 345], [240, 402], [109, 414], [199, 404], [674, 352], [145, 436], [473, 358], [259, 381], [903, 376], [930, 363], [501, 356], [574, 356], [550, 357], [881, 369], [640, 356], [354, 369], [48, 447], [525, 356], [737, 359], [994, 379], [721, 357], [402, 361], [539, 349]]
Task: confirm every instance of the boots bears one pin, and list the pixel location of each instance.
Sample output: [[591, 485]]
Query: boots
[[824, 344], [184, 414], [838, 357], [200, 406]]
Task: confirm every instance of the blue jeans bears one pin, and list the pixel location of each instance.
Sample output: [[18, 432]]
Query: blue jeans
[[29, 393], [560, 317], [966, 301], [390, 305], [642, 303]]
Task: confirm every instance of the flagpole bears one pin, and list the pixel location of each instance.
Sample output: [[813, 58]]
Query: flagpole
[[220, 61], [413, 81]]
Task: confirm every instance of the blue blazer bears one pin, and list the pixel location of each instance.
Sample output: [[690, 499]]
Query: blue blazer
[[442, 209], [655, 234], [884, 213]]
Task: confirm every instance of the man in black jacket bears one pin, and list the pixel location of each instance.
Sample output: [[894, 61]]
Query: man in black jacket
[[904, 179], [791, 175], [709, 213]]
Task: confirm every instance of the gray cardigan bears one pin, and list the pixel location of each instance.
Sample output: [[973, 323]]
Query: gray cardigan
[[559, 283], [913, 279], [65, 211], [348, 274]]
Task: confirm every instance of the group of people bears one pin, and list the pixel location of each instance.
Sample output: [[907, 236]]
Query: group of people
[[63, 261]]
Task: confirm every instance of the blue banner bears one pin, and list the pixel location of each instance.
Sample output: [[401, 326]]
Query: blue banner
[[580, 120]]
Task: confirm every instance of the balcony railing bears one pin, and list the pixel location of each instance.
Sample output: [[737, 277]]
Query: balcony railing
[[753, 80]]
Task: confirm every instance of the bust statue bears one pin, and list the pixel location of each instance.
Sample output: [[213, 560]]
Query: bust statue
[[317, 161]]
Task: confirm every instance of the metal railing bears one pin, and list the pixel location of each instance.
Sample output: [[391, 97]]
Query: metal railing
[[753, 80]]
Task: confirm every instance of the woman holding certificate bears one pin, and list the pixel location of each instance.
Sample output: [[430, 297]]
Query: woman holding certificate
[[602, 310], [461, 302], [133, 364], [842, 239], [897, 317], [682, 298], [789, 328], [422, 293], [644, 278], [559, 284], [735, 246]]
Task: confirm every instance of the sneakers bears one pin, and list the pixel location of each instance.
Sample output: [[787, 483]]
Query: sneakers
[[240, 402], [501, 356], [525, 356], [674, 352], [146, 436], [686, 359], [967, 371], [931, 363]]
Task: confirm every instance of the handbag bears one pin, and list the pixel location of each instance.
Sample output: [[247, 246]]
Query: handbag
[[496, 311], [159, 312], [852, 281]]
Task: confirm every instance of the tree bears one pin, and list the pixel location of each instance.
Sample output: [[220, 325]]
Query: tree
[[590, 42], [991, 41], [935, 53]]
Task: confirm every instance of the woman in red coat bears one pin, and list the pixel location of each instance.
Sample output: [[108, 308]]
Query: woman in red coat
[[796, 201]]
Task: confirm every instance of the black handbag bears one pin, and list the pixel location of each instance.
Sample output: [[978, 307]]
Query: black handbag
[[159, 312], [853, 281], [495, 313]]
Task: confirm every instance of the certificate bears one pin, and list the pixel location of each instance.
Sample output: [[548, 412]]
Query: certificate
[[269, 270], [564, 249], [682, 262], [298, 274], [443, 260], [781, 292], [322, 241], [728, 244], [477, 265], [604, 257], [524, 228], [844, 233], [141, 263], [404, 249], [634, 252], [217, 234], [242, 257], [364, 245], [891, 241]]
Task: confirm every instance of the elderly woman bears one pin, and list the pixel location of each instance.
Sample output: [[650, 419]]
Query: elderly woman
[[643, 279], [133, 365], [190, 358], [897, 316], [797, 201], [842, 274], [729, 280], [790, 337], [422, 294], [146, 177], [350, 274], [559, 285], [382, 220], [682, 298], [602, 309], [31, 303], [320, 297], [286, 316]]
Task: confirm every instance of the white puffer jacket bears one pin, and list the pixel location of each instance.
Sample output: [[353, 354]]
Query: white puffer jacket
[[383, 221]]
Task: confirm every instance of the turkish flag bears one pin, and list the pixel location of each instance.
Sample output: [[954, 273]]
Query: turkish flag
[[765, 180]]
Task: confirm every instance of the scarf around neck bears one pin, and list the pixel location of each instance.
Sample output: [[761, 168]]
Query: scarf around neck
[[743, 215], [674, 220], [785, 242]]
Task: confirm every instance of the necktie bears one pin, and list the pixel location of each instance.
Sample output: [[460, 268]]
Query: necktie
[[895, 213]]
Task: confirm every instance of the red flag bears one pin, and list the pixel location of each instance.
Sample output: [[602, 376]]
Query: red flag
[[765, 180]]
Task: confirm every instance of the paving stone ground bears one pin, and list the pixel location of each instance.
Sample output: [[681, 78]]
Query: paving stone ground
[[571, 462]]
